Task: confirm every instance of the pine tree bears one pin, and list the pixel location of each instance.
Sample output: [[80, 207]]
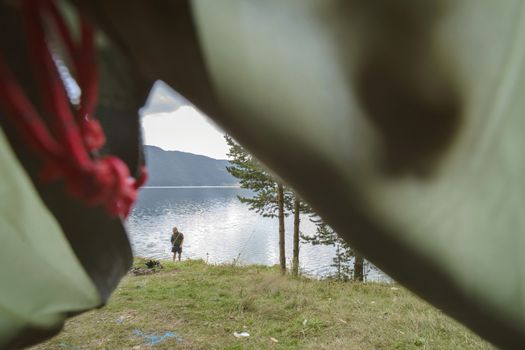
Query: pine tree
[[297, 207], [296, 232], [270, 198], [348, 263], [280, 205]]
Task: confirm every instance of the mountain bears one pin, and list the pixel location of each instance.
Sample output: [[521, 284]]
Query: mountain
[[174, 168]]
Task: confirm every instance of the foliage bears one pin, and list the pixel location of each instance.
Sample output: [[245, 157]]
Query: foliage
[[344, 257], [251, 175], [269, 198]]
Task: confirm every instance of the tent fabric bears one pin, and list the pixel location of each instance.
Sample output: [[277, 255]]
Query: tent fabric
[[42, 279], [399, 122], [97, 243]]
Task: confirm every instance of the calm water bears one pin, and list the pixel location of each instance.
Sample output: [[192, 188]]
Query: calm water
[[218, 228]]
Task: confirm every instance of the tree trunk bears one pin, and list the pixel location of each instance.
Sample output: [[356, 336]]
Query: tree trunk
[[337, 260], [296, 222], [280, 203], [358, 267]]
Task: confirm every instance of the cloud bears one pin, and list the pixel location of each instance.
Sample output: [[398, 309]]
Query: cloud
[[187, 130]]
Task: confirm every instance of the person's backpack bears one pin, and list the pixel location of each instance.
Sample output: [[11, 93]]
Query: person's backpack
[[177, 240]]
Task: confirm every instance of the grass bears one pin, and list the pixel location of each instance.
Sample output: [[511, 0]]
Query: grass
[[201, 306]]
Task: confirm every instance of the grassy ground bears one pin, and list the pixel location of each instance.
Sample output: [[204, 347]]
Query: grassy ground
[[191, 305]]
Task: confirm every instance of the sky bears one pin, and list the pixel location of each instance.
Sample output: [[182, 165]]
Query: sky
[[171, 123]]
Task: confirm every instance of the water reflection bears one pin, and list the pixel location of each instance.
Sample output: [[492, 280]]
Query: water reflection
[[217, 228]]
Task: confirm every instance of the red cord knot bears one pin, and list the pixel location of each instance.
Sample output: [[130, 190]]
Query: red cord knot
[[67, 152], [93, 134], [105, 182]]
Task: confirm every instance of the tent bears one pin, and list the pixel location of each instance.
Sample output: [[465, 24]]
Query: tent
[[399, 122]]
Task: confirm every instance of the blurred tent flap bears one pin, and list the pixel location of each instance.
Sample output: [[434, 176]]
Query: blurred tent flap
[[62, 251], [400, 122], [42, 280]]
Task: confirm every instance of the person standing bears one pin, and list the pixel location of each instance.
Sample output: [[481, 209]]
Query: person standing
[[177, 239]]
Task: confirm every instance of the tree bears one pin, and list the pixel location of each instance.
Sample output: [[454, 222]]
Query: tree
[[359, 262], [344, 254], [270, 197], [297, 207], [296, 223], [280, 205]]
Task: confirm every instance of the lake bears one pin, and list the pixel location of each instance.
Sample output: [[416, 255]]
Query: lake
[[218, 228]]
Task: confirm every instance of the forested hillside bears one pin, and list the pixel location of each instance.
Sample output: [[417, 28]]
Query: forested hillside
[[174, 168]]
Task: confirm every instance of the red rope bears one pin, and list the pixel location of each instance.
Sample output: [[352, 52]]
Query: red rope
[[76, 133], [26, 118], [84, 62], [55, 99]]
